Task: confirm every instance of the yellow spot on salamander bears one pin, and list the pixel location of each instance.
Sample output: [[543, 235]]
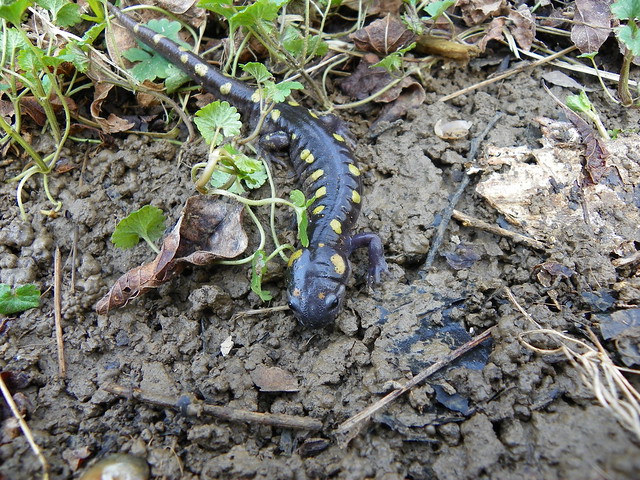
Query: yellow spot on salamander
[[136, 28], [225, 88], [156, 38], [255, 98], [296, 292], [182, 49], [293, 136], [313, 114], [354, 170], [321, 192], [338, 137], [321, 245], [293, 103], [336, 226], [184, 58], [307, 156], [275, 114], [318, 210], [200, 69], [339, 264], [355, 197], [294, 256], [321, 295], [316, 175]]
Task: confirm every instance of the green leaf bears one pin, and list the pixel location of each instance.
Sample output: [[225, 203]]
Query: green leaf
[[393, 62], [175, 78], [258, 269], [626, 9], [14, 11], [218, 116], [579, 103], [74, 54], [294, 42], [278, 92], [260, 11], [23, 298], [220, 179], [302, 217], [221, 7], [630, 36], [69, 15], [435, 9], [257, 71], [146, 223], [29, 61]]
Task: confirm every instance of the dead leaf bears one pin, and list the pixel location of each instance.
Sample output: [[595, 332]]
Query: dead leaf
[[548, 273], [33, 109], [596, 152], [274, 379], [113, 123], [591, 24], [374, 7], [523, 28], [76, 457], [476, 12], [383, 36], [442, 47], [208, 229], [556, 77], [495, 31]]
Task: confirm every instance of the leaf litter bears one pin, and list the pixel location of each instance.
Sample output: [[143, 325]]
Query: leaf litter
[[208, 230]]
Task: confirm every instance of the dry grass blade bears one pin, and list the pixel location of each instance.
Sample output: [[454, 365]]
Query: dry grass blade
[[25, 428], [607, 381]]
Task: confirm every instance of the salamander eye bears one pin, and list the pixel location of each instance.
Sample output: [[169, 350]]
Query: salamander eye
[[293, 307], [333, 302]]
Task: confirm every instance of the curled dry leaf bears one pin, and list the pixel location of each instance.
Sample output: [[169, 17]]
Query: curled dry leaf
[[274, 379], [113, 123], [452, 130], [208, 229], [591, 25], [383, 36], [365, 81], [523, 27], [442, 47], [476, 12]]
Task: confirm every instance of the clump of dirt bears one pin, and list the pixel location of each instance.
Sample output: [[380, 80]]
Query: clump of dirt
[[506, 412]]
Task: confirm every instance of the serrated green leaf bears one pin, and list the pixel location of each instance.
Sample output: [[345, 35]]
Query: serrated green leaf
[[14, 11], [28, 61], [74, 54], [630, 36], [294, 42], [146, 223], [175, 78], [258, 71], [221, 7], [260, 11], [258, 269], [220, 179], [14, 41], [278, 92], [626, 9], [218, 116], [23, 298], [68, 15]]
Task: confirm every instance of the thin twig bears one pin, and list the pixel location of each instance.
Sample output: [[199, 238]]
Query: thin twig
[[25, 428], [57, 311], [448, 212], [469, 221], [191, 407], [508, 73], [348, 429]]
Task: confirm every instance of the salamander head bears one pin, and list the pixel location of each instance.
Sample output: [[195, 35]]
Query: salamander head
[[316, 285]]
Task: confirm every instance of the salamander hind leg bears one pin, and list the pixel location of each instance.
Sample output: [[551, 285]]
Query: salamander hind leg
[[377, 263]]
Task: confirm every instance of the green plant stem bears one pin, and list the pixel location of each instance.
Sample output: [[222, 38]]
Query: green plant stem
[[272, 213], [18, 139], [623, 83], [253, 203]]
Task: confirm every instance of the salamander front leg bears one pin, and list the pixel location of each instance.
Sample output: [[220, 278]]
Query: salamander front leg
[[377, 263], [275, 144]]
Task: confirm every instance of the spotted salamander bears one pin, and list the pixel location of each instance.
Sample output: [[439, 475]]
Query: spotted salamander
[[321, 157]]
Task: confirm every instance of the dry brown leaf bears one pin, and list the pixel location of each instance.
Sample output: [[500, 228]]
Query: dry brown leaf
[[374, 7], [592, 24], [383, 36], [274, 379], [523, 28], [476, 12], [113, 123], [495, 31], [208, 229]]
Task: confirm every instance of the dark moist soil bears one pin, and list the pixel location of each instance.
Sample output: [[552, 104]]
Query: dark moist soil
[[510, 413]]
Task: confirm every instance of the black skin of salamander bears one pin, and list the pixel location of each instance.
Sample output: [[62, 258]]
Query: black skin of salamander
[[317, 275]]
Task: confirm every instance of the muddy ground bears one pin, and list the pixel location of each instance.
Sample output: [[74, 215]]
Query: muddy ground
[[505, 413]]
